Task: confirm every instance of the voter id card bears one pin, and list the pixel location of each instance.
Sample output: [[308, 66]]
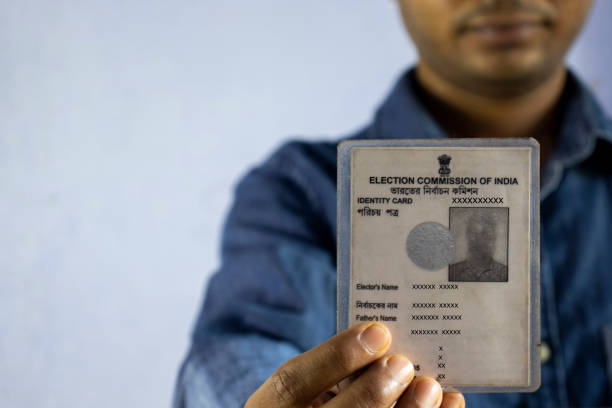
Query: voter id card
[[439, 240]]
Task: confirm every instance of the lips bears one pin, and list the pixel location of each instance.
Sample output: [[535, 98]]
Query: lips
[[504, 30]]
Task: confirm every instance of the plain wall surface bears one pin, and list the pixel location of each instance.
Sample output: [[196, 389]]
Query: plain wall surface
[[124, 126]]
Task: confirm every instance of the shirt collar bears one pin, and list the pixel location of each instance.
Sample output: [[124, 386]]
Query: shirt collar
[[584, 124], [403, 115]]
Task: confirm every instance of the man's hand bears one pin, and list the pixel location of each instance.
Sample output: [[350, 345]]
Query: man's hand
[[307, 380]]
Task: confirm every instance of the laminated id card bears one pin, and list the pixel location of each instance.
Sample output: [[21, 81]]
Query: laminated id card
[[439, 240]]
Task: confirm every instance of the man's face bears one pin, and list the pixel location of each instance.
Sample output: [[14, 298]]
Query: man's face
[[494, 41], [481, 237]]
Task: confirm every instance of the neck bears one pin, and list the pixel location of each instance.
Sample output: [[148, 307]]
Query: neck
[[530, 113], [479, 257]]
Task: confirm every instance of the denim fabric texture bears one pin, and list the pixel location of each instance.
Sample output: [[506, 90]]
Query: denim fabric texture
[[274, 294]]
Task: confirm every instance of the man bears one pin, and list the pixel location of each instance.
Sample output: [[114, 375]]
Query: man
[[487, 68], [481, 235]]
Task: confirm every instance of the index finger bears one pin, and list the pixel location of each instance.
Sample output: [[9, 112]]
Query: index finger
[[300, 380]]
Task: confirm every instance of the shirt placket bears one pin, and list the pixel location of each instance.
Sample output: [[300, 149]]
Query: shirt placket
[[553, 392]]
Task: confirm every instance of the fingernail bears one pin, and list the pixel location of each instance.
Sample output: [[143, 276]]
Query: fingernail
[[375, 338], [427, 393], [400, 368]]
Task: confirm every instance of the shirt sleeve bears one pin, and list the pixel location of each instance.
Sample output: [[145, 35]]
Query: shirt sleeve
[[274, 295]]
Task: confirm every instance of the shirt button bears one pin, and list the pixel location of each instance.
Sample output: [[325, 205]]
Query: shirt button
[[545, 353]]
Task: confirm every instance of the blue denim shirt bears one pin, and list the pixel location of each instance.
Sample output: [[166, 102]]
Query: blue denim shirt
[[274, 294]]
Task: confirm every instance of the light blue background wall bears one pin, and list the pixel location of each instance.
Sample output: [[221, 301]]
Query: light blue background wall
[[123, 126]]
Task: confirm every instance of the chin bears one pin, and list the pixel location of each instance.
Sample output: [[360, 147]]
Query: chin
[[508, 63], [510, 69]]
